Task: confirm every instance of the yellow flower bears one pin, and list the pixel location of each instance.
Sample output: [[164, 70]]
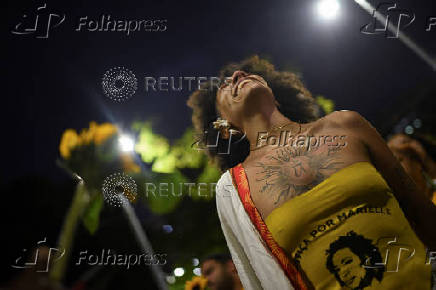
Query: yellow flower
[[94, 134], [97, 133], [69, 141], [103, 132], [196, 283], [87, 135], [129, 164]]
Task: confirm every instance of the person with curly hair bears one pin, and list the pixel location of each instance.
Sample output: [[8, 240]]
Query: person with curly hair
[[292, 182], [416, 162], [348, 257]]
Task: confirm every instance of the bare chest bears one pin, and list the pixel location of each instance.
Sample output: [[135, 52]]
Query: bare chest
[[283, 173]]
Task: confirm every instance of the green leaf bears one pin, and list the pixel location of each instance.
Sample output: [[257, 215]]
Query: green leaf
[[164, 164], [187, 156], [326, 104], [150, 145], [209, 176], [66, 237], [165, 192], [91, 216]]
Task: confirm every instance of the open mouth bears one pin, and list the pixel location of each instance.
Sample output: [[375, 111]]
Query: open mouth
[[350, 281], [244, 80]]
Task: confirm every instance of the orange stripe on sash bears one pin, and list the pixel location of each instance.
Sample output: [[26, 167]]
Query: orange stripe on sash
[[297, 278]]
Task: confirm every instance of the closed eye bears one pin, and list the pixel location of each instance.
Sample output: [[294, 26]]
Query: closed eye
[[346, 261]]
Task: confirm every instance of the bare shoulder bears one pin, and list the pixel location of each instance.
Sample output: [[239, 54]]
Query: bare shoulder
[[347, 119], [346, 122]]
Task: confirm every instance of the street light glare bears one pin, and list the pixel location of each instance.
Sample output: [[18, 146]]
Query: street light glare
[[179, 272], [126, 143], [328, 9]]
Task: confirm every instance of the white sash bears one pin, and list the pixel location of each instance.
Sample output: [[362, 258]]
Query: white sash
[[257, 267]]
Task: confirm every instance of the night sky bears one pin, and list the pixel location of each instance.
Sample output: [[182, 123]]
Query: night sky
[[55, 83]]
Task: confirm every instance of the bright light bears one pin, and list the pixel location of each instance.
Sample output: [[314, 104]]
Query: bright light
[[328, 8], [167, 228], [179, 272], [197, 271], [126, 143], [409, 130], [171, 279]]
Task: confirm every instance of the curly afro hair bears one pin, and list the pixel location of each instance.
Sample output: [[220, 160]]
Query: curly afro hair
[[294, 101], [365, 250]]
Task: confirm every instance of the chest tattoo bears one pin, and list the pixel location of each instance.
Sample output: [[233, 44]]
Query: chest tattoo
[[290, 171]]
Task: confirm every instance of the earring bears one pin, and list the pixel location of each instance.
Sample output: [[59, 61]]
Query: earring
[[224, 127]]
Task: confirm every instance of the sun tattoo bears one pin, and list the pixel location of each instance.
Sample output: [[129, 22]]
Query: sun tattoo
[[291, 171]]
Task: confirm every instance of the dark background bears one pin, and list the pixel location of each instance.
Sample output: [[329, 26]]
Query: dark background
[[53, 84]]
